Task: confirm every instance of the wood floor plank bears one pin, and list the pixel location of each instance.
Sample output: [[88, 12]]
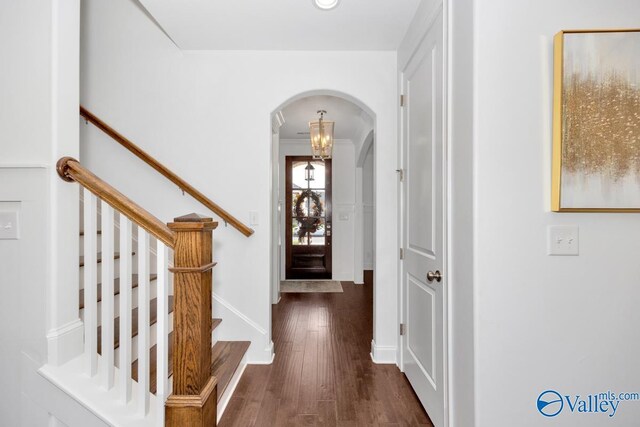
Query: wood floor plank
[[322, 374], [253, 395], [287, 409], [300, 333], [326, 368], [308, 396], [304, 420], [327, 413]]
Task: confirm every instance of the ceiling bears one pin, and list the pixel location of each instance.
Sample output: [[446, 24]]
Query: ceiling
[[350, 120], [283, 24]]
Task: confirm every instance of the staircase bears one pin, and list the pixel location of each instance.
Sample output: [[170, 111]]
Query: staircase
[[145, 300], [227, 356]]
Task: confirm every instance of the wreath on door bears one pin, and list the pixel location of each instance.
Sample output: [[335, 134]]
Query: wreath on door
[[311, 223]]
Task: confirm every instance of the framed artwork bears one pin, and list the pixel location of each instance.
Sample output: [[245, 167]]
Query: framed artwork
[[596, 121]]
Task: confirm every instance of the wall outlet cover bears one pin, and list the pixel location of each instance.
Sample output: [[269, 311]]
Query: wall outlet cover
[[253, 218], [563, 240], [9, 225]]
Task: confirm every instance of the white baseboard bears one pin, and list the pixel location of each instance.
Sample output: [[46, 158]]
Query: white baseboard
[[231, 387], [342, 276], [268, 350], [383, 354], [65, 342]]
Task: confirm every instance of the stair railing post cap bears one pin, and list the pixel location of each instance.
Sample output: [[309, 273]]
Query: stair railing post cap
[[193, 217]]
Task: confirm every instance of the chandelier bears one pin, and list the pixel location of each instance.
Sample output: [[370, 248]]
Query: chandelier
[[321, 132]]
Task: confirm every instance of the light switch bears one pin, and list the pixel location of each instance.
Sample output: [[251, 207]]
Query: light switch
[[9, 229], [563, 240], [253, 218], [343, 216]]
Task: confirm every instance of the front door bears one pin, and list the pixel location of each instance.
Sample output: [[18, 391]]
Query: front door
[[308, 229], [423, 224]]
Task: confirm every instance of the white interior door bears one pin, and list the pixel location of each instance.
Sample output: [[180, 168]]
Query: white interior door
[[423, 268]]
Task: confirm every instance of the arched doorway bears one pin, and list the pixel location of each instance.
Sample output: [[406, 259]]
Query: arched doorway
[[355, 127]]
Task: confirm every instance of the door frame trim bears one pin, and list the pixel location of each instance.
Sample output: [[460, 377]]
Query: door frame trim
[[443, 5]]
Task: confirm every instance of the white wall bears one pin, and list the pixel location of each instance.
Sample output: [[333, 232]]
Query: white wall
[[461, 213], [368, 207], [38, 310], [343, 203], [276, 216], [543, 322], [208, 116]]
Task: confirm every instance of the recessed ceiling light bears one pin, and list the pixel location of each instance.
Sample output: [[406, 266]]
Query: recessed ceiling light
[[325, 4]]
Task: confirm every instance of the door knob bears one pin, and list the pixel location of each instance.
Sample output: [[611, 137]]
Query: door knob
[[437, 276]]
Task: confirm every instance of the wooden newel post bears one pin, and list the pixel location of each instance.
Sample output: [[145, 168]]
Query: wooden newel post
[[194, 398]]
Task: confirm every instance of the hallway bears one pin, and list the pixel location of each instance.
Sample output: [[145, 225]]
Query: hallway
[[322, 374]]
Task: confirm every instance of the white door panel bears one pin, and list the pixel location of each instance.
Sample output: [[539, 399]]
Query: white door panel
[[421, 301], [423, 145]]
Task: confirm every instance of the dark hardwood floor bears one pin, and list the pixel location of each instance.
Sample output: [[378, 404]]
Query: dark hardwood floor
[[322, 374]]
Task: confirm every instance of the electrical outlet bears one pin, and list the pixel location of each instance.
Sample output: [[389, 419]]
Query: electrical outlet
[[563, 240], [9, 225]]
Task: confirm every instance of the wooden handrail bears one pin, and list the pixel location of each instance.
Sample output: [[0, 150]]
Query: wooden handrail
[[166, 172], [71, 170]]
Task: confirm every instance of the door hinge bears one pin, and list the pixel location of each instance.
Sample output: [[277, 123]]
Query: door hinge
[[400, 174], [403, 329], [401, 253], [402, 100]]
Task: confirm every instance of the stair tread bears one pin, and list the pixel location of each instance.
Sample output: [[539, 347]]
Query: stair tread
[[153, 319], [116, 255], [116, 287], [225, 359], [97, 232]]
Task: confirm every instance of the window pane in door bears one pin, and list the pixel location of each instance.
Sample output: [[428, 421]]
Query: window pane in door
[[299, 202], [307, 231], [318, 174], [316, 235], [298, 175]]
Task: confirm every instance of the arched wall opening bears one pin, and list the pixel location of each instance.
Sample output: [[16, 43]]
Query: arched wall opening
[[362, 151]]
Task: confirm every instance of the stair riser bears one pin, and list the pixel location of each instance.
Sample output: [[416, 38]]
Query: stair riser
[[116, 243], [153, 292], [116, 311], [134, 343], [116, 248], [116, 269]]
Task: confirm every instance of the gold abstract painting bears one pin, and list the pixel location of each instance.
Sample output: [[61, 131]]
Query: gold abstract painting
[[596, 144]]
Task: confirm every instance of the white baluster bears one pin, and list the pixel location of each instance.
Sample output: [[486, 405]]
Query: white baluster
[[143, 321], [90, 283], [162, 329], [125, 307], [107, 295]]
